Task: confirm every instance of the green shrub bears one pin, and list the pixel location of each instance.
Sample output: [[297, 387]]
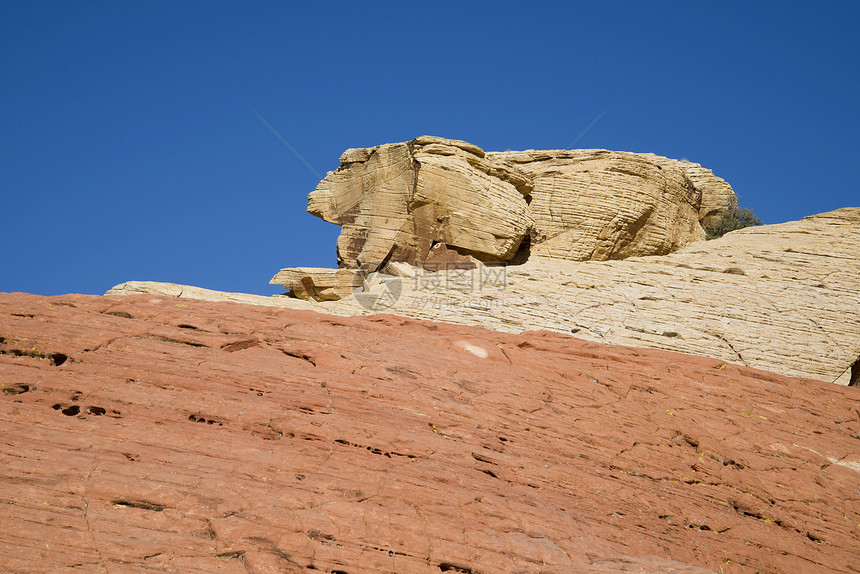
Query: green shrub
[[733, 219]]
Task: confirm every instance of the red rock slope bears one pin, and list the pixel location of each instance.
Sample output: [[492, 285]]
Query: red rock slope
[[143, 434]]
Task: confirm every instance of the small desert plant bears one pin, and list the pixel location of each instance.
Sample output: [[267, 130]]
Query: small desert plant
[[733, 219]]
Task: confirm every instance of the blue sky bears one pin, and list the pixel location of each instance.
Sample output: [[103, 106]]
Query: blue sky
[[132, 145]]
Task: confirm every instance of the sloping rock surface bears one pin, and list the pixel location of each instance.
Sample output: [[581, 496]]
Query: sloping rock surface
[[154, 434], [395, 202], [783, 298]]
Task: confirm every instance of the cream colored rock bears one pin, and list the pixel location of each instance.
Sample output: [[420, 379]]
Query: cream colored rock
[[778, 297], [401, 270], [370, 200], [160, 289], [466, 202], [717, 195], [600, 205], [318, 284], [396, 202]]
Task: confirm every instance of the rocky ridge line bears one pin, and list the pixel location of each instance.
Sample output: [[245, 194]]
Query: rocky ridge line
[[777, 297], [434, 200]]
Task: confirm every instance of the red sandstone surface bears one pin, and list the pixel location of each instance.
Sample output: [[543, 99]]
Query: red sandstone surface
[[147, 434]]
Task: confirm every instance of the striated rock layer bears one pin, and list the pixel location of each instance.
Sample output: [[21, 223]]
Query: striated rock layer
[[778, 297], [153, 434], [396, 202]]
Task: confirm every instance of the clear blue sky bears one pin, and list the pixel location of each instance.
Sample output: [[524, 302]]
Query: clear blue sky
[[131, 148]]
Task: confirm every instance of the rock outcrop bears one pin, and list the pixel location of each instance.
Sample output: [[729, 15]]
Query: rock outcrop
[[153, 434], [319, 284], [396, 202], [600, 205], [778, 297], [604, 245]]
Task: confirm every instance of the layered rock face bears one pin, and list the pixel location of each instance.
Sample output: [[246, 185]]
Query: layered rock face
[[600, 205], [319, 284], [151, 434], [777, 297], [396, 202]]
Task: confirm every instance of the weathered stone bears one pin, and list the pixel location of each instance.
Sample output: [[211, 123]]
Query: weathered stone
[[599, 205], [776, 297], [318, 284], [717, 195], [141, 434], [395, 202], [401, 270], [462, 201], [370, 200], [441, 257]]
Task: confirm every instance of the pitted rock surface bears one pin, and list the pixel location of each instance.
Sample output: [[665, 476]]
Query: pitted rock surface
[[154, 434]]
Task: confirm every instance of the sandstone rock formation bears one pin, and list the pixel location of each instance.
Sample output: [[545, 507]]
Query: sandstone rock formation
[[319, 284], [153, 434], [778, 297], [395, 202], [601, 205]]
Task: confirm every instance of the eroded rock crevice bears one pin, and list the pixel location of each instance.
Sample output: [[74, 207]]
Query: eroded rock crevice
[[855, 374]]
